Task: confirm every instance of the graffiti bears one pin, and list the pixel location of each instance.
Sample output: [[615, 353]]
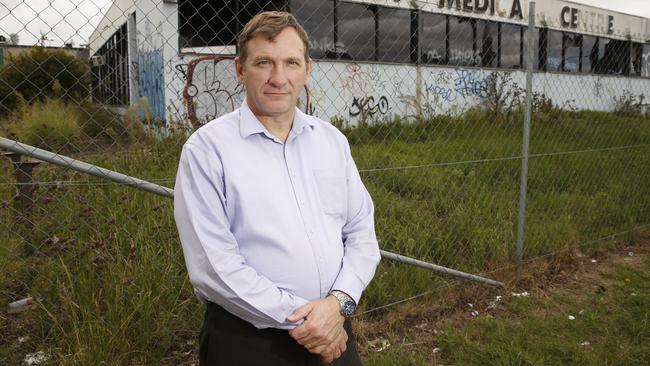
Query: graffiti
[[442, 92], [149, 67], [355, 79], [570, 66], [374, 77], [315, 99], [442, 78], [598, 87], [208, 93], [462, 57], [151, 80], [363, 81], [470, 82], [211, 89], [368, 106], [433, 56], [466, 83], [554, 63]]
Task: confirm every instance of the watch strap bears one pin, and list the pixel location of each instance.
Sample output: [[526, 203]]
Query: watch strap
[[346, 303]]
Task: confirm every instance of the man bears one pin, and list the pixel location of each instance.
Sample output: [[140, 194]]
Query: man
[[276, 225]]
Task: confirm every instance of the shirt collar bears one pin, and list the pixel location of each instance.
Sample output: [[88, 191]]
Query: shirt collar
[[250, 125]]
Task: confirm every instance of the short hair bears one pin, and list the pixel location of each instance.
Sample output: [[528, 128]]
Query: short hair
[[269, 24]]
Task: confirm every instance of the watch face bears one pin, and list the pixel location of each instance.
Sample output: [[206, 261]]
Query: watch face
[[347, 307]]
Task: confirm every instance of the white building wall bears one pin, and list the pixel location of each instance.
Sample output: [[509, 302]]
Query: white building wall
[[182, 86], [115, 17], [352, 91]]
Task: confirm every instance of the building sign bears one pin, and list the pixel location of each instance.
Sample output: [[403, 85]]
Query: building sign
[[491, 7], [554, 14], [575, 18]]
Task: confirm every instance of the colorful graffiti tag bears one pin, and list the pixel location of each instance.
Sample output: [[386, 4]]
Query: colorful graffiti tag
[[151, 81]]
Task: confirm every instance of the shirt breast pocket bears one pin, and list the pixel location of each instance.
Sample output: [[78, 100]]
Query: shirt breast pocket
[[331, 187]]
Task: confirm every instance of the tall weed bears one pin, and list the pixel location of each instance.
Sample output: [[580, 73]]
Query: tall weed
[[51, 124]]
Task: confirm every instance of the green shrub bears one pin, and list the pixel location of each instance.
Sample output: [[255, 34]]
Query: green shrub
[[32, 75], [51, 124], [100, 123]]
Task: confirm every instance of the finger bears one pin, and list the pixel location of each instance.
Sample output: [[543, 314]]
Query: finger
[[327, 359], [301, 312], [335, 336], [318, 349], [315, 332], [296, 333], [329, 337], [337, 353], [309, 333], [306, 334]]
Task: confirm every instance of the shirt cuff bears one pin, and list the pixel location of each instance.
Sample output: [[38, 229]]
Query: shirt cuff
[[349, 283], [286, 325]]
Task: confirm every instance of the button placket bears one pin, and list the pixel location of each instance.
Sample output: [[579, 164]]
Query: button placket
[[300, 196]]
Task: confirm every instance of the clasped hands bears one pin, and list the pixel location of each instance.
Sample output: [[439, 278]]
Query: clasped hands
[[322, 331]]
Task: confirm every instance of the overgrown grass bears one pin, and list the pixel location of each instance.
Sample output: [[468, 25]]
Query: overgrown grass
[[74, 127], [109, 275]]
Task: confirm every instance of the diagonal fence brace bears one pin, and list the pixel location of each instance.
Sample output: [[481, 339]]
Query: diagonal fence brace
[[83, 167]]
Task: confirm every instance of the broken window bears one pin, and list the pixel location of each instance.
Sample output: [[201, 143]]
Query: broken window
[[613, 57], [433, 38], [462, 46], [357, 31], [110, 70], [212, 26], [487, 42], [589, 53], [317, 17], [645, 61], [572, 44], [511, 46]]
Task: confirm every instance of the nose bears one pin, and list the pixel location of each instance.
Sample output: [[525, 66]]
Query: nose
[[278, 77]]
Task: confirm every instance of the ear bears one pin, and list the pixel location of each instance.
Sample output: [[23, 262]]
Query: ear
[[239, 69]]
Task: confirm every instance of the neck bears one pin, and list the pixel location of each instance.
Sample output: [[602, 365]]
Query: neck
[[278, 126]]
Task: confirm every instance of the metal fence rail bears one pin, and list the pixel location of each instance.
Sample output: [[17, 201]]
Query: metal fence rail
[[69, 163]]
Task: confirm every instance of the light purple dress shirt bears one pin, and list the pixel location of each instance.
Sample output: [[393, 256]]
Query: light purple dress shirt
[[268, 226]]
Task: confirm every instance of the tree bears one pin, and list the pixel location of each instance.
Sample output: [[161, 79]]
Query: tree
[[13, 38], [33, 74]]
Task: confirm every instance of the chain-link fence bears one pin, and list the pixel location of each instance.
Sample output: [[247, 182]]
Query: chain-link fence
[[432, 96]]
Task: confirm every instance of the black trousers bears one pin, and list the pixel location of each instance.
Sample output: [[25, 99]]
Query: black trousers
[[226, 340]]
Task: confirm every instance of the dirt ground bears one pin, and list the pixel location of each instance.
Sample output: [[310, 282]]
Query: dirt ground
[[414, 325]]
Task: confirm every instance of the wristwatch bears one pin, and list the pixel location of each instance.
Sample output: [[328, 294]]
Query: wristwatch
[[346, 302]]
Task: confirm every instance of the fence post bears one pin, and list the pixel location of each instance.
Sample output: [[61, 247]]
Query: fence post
[[24, 200], [526, 136]]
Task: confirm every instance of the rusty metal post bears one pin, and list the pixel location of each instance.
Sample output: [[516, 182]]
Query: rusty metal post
[[24, 199]]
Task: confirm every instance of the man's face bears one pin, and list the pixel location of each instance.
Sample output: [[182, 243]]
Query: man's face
[[274, 73]]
